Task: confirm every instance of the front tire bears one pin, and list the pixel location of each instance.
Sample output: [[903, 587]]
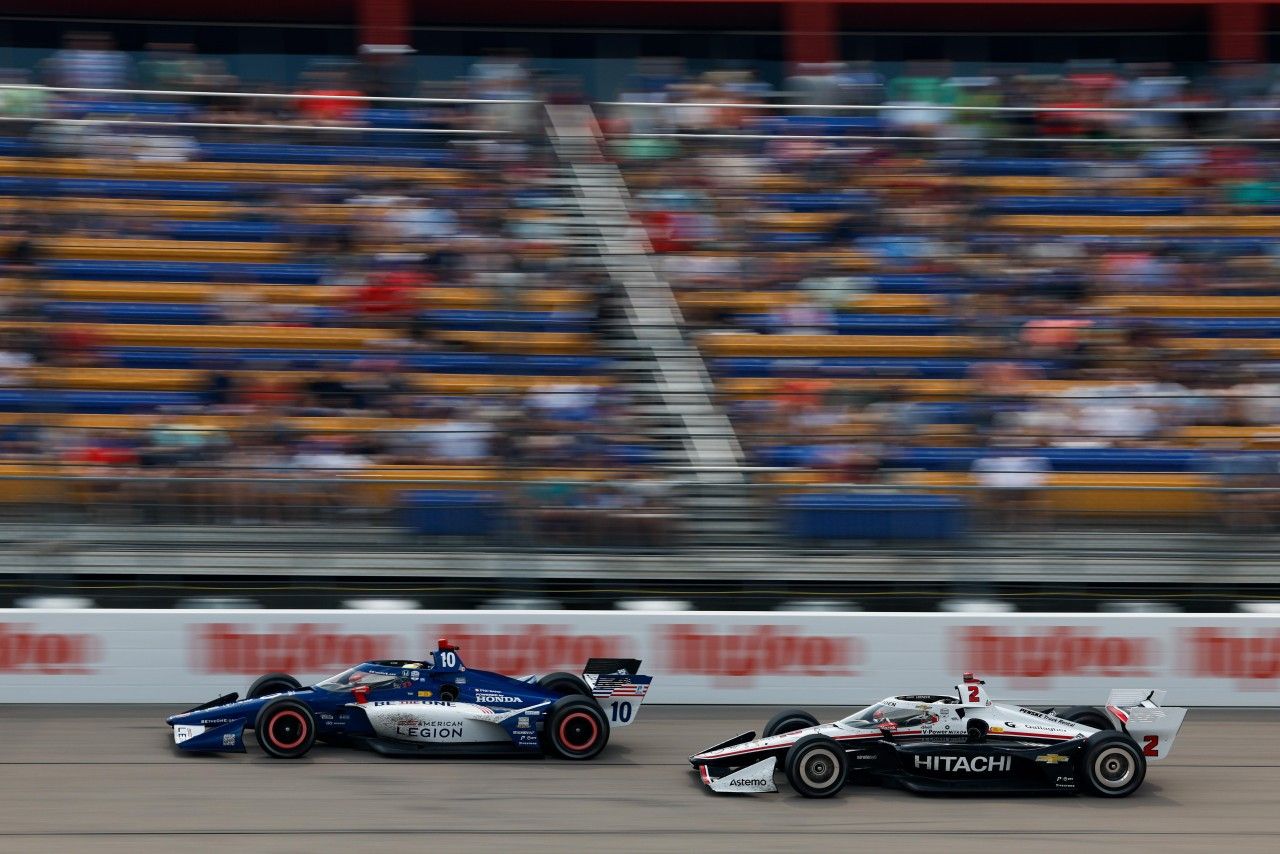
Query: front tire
[[285, 729], [575, 728], [817, 766], [1090, 716], [272, 683], [1112, 765], [789, 720]]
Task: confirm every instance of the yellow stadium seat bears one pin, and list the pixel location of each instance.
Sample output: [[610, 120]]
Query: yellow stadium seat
[[1269, 347], [762, 301], [1096, 494], [1029, 185], [1211, 435], [1065, 224], [207, 171], [159, 379], [290, 337], [746, 344], [135, 249], [520, 342], [918, 389], [1188, 306]]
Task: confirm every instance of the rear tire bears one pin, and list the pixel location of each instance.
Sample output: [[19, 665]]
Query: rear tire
[[1112, 765], [272, 683], [285, 729], [817, 766], [564, 684], [575, 728], [1089, 716], [789, 720]]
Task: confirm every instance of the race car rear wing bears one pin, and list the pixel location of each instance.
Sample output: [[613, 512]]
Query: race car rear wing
[[1139, 713], [618, 686]]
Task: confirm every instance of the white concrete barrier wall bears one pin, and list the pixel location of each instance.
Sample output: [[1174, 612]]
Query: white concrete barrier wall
[[185, 657]]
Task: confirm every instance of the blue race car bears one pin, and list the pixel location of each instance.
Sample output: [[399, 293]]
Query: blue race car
[[415, 708]]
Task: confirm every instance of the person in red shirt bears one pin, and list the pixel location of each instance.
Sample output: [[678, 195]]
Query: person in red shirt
[[331, 101], [388, 298]]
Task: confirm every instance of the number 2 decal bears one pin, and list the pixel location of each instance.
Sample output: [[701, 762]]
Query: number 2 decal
[[1151, 745], [973, 693]]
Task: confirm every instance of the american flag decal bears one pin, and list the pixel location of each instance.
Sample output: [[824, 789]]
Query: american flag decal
[[617, 686]]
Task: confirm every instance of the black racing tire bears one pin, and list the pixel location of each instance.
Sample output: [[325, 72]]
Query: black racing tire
[[788, 720], [272, 683], [1089, 716], [575, 728], [817, 766], [1111, 765], [285, 729], [564, 684]]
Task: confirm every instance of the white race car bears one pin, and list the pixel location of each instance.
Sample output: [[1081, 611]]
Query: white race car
[[954, 743]]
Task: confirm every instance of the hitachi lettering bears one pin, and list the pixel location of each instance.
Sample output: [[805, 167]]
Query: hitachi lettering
[[429, 732], [965, 764]]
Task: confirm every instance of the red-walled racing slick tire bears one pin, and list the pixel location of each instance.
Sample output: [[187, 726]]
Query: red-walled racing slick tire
[[285, 729], [576, 728]]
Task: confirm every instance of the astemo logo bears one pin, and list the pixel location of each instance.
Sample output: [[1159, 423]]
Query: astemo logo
[[749, 651], [296, 648], [1057, 651], [1223, 653], [24, 650]]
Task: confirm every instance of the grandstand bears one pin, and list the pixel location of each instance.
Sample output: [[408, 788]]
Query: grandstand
[[870, 320]]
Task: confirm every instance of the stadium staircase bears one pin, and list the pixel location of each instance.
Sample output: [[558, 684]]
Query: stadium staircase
[[665, 372]]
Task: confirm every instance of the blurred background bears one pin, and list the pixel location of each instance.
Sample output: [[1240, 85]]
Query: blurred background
[[802, 305]]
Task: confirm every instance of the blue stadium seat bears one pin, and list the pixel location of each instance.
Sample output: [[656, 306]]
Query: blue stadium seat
[[1112, 205], [147, 109], [277, 152], [93, 402], [125, 188], [816, 202], [441, 363], [922, 368], [451, 512], [181, 271], [874, 516]]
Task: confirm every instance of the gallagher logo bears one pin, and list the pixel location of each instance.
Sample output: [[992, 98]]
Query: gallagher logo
[[1250, 657], [296, 648], [24, 650], [750, 651], [1058, 651]]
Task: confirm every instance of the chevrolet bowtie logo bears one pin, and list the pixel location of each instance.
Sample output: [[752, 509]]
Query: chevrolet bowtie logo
[[1051, 758]]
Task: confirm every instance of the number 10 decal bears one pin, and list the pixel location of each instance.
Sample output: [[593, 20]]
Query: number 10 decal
[[620, 711]]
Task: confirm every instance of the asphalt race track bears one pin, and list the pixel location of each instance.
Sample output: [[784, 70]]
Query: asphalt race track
[[107, 779]]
